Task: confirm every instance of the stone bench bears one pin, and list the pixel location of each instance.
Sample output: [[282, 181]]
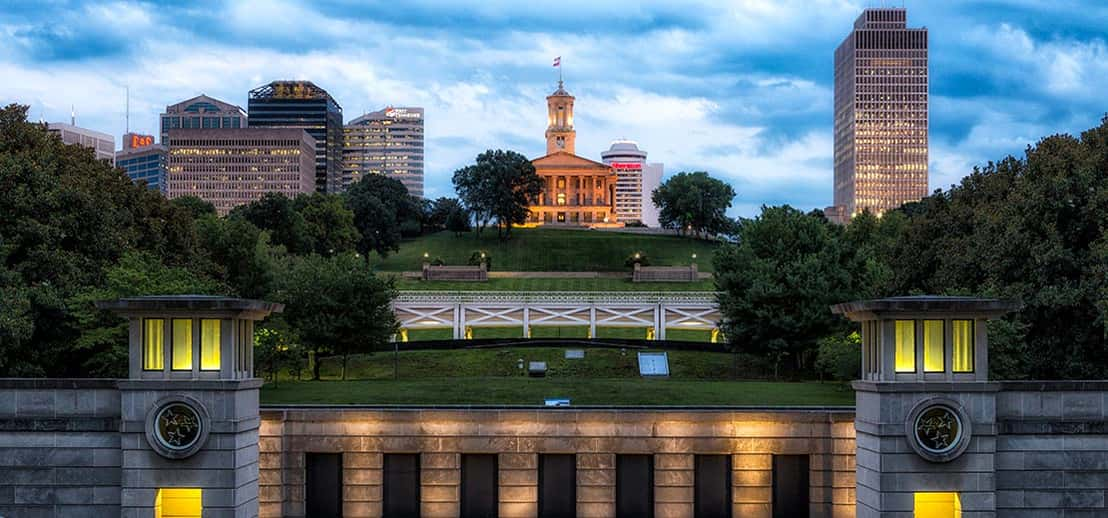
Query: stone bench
[[455, 273], [665, 273]]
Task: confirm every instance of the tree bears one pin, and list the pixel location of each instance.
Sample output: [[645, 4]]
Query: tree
[[67, 220], [778, 281], [457, 221], [501, 184], [328, 223], [274, 212], [440, 211], [840, 357], [337, 305], [240, 256], [196, 207], [380, 205], [694, 202]]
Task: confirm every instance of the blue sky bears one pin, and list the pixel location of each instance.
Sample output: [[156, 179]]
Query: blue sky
[[740, 89]]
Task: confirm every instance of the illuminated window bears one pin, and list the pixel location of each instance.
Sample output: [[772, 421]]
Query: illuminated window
[[938, 505], [182, 344], [561, 199], [153, 339], [905, 346], [209, 344], [963, 345], [178, 503], [933, 346]]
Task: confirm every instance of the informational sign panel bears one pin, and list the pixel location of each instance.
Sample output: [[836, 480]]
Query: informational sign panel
[[653, 364], [575, 354]]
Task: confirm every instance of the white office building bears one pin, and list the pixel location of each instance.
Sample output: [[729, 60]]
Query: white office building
[[637, 180], [101, 143]]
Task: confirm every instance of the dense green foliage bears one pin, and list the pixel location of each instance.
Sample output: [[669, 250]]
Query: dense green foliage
[[75, 230], [1030, 229], [840, 357], [498, 187], [694, 202]]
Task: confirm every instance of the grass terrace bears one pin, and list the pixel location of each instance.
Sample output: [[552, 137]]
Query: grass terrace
[[551, 250], [491, 376]]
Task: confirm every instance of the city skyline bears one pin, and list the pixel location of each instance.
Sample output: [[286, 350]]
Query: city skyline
[[750, 86]]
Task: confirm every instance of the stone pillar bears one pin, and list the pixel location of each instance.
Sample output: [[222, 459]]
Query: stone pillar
[[362, 475], [673, 485], [519, 485], [440, 484], [752, 482], [596, 485]]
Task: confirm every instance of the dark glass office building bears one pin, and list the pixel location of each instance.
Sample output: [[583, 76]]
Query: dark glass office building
[[303, 105], [145, 164]]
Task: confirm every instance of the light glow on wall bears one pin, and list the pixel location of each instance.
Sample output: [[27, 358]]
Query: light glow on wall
[[938, 505]]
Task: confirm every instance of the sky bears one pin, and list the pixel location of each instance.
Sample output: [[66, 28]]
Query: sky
[[741, 89]]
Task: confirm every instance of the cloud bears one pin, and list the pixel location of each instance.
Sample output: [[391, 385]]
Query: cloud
[[740, 89]]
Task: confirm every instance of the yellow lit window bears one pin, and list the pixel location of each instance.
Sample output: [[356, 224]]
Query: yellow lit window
[[182, 344], [178, 503], [963, 345], [209, 344], [153, 339], [905, 346], [933, 346], [938, 505]]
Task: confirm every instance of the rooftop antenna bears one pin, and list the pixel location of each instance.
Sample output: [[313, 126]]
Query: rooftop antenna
[[128, 124], [72, 115]]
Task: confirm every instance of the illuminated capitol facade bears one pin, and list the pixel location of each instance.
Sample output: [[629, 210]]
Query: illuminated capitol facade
[[577, 191], [881, 121]]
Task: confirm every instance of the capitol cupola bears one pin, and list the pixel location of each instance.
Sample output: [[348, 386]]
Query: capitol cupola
[[559, 130]]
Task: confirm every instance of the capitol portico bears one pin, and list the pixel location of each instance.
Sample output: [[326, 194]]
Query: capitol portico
[[576, 191]]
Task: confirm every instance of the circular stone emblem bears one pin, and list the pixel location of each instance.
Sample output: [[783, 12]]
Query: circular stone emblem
[[938, 430], [177, 427]]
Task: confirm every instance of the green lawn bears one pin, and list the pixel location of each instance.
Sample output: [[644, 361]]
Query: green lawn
[[553, 250], [531, 391], [546, 284]]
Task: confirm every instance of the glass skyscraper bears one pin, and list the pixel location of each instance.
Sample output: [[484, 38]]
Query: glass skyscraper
[[146, 164], [388, 142], [303, 105], [881, 106]]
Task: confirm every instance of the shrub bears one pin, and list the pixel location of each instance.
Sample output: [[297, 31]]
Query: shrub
[[637, 257], [478, 256], [840, 357]]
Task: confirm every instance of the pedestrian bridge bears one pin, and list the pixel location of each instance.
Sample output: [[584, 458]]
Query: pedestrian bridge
[[462, 311]]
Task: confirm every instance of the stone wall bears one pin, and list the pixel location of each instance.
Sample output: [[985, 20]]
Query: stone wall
[[1052, 449], [673, 436], [59, 448]]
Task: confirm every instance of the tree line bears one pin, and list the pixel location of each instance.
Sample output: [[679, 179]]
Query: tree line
[[1030, 228]]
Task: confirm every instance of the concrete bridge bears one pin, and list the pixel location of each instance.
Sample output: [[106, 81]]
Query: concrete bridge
[[464, 310]]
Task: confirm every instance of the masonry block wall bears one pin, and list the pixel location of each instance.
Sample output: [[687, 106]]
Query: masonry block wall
[[59, 448], [518, 437], [1052, 449]]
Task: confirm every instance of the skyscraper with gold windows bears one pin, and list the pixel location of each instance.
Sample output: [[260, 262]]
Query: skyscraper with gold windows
[[881, 115]]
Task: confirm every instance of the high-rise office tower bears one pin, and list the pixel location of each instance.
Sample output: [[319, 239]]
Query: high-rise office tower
[[201, 112], [145, 163], [881, 96], [102, 144], [636, 182], [303, 105], [232, 167], [388, 142]]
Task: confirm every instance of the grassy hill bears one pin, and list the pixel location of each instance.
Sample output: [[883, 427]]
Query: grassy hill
[[548, 284], [492, 376], [552, 250]]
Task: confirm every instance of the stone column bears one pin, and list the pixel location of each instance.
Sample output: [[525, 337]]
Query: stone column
[[519, 485], [362, 475], [752, 481], [596, 485], [673, 485], [440, 484]]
